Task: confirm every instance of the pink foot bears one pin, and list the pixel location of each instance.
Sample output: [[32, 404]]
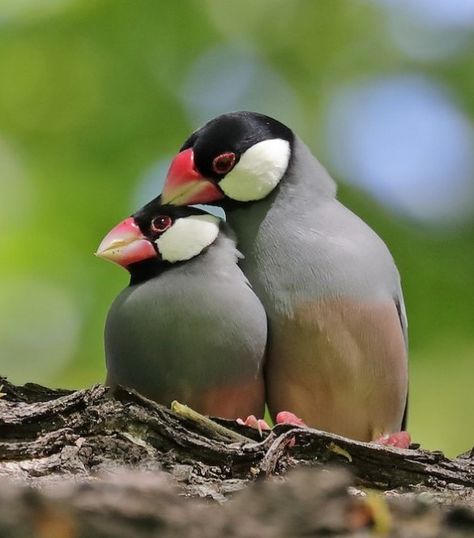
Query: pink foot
[[399, 439], [285, 417], [253, 422]]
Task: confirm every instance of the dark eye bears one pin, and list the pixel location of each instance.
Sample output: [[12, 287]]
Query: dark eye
[[161, 223], [223, 163]]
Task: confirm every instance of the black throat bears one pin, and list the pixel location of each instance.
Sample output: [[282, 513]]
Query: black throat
[[146, 270]]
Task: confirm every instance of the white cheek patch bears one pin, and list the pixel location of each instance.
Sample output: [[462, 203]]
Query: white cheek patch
[[258, 172], [187, 237]]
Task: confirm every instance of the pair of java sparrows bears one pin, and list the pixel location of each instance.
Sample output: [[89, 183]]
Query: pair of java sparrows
[[300, 306]]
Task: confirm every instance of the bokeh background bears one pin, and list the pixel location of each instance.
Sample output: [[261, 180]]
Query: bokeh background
[[97, 95]]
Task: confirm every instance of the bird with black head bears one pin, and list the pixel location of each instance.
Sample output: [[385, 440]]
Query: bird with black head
[[188, 327], [337, 349]]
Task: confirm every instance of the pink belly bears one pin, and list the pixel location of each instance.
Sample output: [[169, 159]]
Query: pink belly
[[341, 366]]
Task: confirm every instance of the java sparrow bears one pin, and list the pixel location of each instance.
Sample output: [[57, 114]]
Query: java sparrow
[[337, 350], [188, 327]]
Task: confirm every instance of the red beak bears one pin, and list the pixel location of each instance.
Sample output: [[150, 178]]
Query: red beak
[[125, 244], [184, 185]]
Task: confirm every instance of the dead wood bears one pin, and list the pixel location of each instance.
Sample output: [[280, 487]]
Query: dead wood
[[54, 444]]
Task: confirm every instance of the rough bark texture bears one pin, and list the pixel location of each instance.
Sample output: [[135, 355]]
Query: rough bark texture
[[92, 464]]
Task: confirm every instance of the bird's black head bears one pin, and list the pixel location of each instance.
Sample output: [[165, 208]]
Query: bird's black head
[[241, 156], [158, 235], [155, 218]]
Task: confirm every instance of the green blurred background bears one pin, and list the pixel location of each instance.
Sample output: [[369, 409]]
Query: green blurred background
[[97, 95]]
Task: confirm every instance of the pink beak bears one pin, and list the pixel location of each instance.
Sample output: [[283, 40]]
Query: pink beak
[[184, 185], [125, 244]]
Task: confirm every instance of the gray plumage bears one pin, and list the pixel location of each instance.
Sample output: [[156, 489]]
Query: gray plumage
[[196, 332], [337, 325], [337, 345]]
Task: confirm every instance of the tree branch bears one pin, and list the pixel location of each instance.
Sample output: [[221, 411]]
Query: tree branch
[[48, 436]]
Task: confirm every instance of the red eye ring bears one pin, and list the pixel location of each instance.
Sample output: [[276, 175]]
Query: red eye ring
[[161, 223], [223, 163]]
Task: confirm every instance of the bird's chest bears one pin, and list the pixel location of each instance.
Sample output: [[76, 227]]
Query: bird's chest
[[292, 259], [334, 357], [286, 268]]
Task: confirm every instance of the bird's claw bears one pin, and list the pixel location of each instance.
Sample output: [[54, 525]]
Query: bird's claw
[[286, 417], [253, 422], [398, 439]]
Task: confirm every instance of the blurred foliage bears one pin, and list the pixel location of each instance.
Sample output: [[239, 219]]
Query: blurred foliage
[[91, 96]]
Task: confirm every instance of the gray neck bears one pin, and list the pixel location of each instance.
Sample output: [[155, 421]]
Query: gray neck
[[223, 252], [305, 183], [307, 174]]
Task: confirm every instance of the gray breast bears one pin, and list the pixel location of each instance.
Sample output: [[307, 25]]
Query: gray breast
[[301, 243], [195, 326]]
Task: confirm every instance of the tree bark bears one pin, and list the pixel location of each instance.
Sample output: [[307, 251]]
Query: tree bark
[[92, 463]]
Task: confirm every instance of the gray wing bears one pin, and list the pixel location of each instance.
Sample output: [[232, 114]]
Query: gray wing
[[402, 314]]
